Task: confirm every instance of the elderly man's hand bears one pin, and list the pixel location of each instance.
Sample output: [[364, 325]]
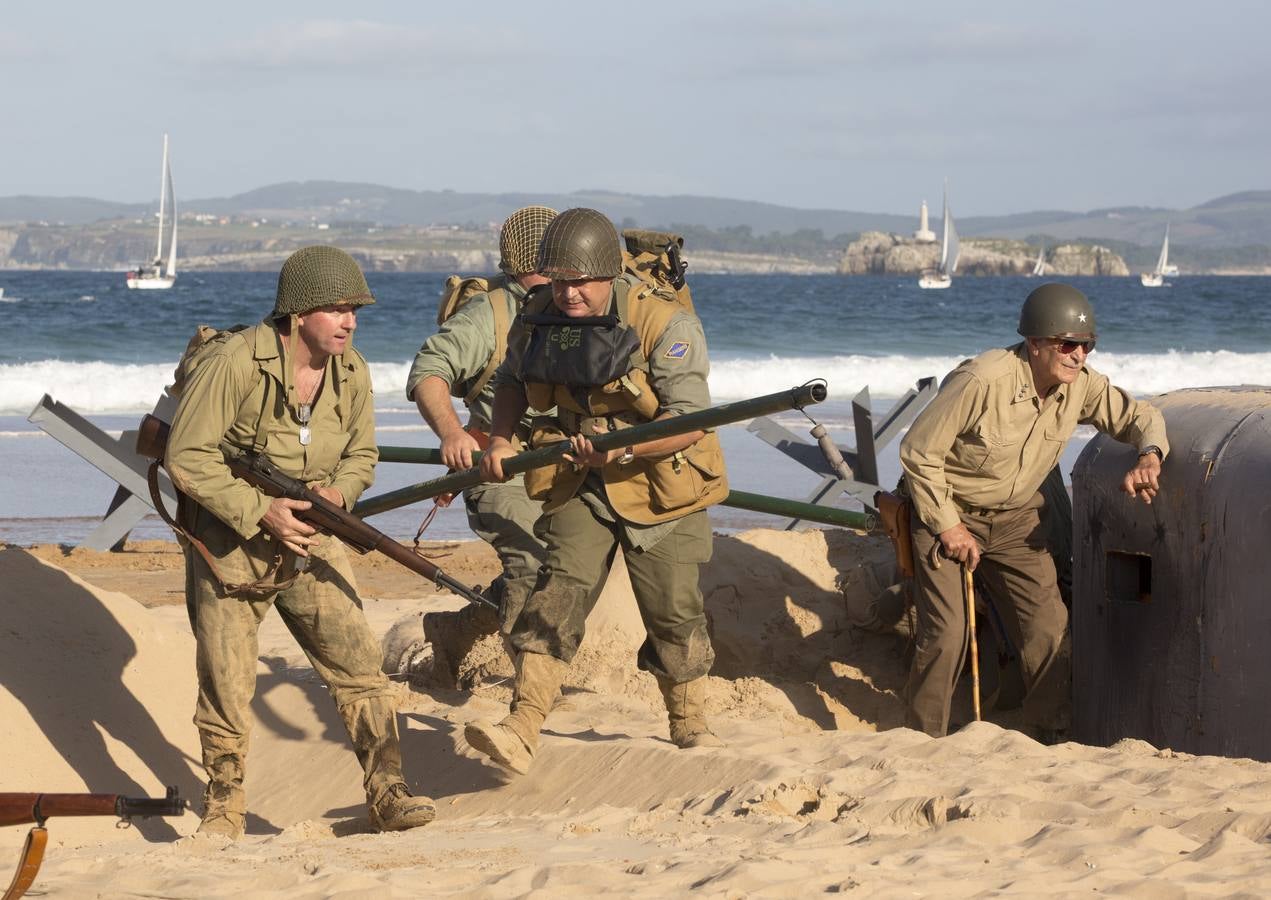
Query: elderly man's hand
[[959, 545], [1144, 480]]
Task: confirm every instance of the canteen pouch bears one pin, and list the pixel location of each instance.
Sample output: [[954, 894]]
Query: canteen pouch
[[894, 513], [579, 352]]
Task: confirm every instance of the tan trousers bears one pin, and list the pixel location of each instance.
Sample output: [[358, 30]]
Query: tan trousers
[[322, 611], [580, 551], [1015, 564]]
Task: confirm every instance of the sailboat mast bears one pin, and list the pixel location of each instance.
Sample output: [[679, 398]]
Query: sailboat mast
[[163, 196]]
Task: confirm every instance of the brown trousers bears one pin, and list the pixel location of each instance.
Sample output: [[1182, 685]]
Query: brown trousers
[[1016, 570]]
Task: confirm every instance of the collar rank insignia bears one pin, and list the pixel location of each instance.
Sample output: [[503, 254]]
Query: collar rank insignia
[[678, 350]]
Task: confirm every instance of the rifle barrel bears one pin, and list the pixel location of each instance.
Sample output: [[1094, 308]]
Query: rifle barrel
[[715, 416]]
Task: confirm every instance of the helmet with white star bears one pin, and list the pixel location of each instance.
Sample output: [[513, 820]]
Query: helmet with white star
[[1057, 310]]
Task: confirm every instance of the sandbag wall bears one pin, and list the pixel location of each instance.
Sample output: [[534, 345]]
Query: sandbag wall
[[1171, 617]]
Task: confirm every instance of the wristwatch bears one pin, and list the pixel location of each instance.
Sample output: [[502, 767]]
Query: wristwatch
[[627, 455], [1152, 448]]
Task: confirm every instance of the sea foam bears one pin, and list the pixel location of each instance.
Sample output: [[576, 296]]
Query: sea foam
[[106, 388]]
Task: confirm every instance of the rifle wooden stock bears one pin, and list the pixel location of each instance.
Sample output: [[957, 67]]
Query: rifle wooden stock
[[260, 471], [19, 809]]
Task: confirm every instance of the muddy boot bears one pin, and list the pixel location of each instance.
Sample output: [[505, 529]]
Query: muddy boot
[[452, 636], [372, 727], [224, 802], [513, 741], [686, 712], [397, 810]]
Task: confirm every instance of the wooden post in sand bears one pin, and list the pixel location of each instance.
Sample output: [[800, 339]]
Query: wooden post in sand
[[968, 588]]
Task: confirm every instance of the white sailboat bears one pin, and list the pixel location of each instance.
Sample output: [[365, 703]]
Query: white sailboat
[[1156, 277], [151, 276], [949, 250], [1039, 267]]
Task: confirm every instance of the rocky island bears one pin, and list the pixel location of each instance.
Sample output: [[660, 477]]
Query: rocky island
[[882, 253]]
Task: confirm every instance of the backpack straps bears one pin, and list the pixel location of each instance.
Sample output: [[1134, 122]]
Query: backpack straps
[[499, 298]]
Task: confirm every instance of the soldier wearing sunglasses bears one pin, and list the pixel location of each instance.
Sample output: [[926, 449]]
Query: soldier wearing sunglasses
[[973, 462]]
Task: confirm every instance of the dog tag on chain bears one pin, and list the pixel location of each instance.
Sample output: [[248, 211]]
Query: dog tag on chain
[[303, 415]]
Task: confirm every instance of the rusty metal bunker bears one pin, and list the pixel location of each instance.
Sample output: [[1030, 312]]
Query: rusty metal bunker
[[1171, 617]]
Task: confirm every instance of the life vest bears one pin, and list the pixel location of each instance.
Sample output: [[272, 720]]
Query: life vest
[[645, 491]]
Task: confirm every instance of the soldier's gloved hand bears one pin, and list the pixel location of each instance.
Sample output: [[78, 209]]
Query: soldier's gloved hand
[[280, 521], [492, 462], [457, 448], [959, 544], [1144, 480]]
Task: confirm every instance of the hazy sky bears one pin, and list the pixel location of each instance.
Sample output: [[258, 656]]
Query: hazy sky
[[845, 105]]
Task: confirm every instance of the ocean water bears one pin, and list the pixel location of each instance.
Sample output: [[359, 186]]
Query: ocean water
[[107, 352]]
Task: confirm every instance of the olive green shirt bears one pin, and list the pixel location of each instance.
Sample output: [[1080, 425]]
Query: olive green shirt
[[242, 392], [988, 440], [459, 351]]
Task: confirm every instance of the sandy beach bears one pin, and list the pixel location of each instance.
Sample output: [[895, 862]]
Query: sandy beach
[[816, 792]]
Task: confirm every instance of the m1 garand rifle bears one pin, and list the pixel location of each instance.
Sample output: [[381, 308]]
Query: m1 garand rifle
[[259, 470], [19, 809]]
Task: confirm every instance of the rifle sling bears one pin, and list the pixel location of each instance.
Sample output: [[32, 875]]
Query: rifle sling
[[266, 584], [28, 863]]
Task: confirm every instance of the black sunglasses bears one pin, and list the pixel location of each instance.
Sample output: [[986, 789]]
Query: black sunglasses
[[1067, 345]]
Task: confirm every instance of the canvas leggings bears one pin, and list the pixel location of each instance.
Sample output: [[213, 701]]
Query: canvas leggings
[[322, 611], [581, 548], [1016, 570]]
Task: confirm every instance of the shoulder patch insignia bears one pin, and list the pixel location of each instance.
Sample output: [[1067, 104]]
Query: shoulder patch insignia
[[678, 350]]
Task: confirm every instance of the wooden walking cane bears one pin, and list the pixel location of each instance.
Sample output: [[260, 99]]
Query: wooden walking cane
[[968, 588]]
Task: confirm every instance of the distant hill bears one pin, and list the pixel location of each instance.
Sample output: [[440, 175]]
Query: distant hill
[[1225, 231]]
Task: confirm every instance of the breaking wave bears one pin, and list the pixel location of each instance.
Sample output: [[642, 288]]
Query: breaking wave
[[107, 388]]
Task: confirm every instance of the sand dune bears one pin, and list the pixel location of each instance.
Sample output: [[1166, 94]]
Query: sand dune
[[809, 796]]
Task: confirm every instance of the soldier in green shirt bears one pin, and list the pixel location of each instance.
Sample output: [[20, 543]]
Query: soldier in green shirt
[[974, 461], [459, 361], [294, 388]]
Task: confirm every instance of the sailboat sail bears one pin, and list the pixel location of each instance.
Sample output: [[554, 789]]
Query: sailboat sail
[[172, 247], [1039, 267], [1163, 261], [949, 264]]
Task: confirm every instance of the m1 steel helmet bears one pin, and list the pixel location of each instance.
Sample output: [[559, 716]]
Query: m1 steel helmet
[[519, 239], [1057, 310], [580, 243], [318, 276]]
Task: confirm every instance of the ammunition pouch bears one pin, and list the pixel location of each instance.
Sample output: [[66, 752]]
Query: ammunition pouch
[[895, 512]]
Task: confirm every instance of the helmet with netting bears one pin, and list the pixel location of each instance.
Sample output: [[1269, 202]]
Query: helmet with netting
[[520, 237], [1057, 310], [580, 243], [318, 276]]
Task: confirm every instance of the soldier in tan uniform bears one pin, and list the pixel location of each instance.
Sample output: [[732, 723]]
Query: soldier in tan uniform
[[974, 461], [600, 373], [458, 361], [294, 388]]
